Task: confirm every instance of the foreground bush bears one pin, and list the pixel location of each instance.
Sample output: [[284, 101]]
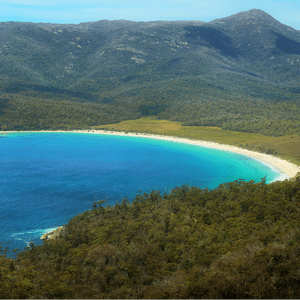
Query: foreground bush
[[240, 240]]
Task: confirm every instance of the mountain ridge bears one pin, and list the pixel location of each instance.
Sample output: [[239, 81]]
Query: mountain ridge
[[95, 37]]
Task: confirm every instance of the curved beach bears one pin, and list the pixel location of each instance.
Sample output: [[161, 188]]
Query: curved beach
[[285, 168]]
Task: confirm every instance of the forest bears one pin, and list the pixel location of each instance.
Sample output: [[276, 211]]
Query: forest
[[239, 240], [193, 101]]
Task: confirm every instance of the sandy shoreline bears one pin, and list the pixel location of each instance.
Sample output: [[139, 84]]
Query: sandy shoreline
[[284, 167]]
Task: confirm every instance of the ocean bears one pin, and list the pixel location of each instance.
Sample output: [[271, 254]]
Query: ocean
[[47, 178]]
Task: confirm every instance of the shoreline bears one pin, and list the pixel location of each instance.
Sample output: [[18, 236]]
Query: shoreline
[[286, 169], [53, 234]]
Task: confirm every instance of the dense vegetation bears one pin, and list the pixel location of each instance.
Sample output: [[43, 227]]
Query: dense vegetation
[[271, 111], [240, 240]]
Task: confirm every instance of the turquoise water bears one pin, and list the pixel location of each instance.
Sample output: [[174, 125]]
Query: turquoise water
[[47, 178]]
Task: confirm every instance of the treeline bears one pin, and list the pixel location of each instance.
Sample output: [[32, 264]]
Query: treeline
[[23, 111], [272, 118], [240, 240], [251, 107]]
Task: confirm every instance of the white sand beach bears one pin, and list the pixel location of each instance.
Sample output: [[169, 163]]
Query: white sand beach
[[285, 168]]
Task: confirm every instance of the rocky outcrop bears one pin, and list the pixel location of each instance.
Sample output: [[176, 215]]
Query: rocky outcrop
[[53, 234]]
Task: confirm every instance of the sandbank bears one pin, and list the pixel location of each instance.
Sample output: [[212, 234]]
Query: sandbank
[[285, 168]]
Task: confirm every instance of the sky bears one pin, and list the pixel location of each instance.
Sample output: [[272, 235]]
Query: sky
[[79, 11]]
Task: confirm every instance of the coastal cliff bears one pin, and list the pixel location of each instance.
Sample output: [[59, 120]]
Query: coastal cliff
[[53, 234]]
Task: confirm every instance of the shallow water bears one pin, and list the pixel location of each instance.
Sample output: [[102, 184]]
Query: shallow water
[[47, 178]]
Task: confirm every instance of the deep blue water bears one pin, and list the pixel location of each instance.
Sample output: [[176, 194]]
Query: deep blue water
[[47, 178]]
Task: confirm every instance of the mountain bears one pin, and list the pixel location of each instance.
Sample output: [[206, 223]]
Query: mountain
[[63, 54], [123, 69], [272, 48]]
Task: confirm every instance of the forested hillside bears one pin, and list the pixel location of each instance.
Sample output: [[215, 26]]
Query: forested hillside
[[240, 240], [238, 73]]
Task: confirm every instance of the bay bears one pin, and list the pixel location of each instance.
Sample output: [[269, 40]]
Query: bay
[[47, 178]]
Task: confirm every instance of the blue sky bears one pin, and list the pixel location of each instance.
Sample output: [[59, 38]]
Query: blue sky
[[77, 11]]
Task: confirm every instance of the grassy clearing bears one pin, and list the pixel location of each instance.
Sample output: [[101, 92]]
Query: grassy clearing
[[287, 147]]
